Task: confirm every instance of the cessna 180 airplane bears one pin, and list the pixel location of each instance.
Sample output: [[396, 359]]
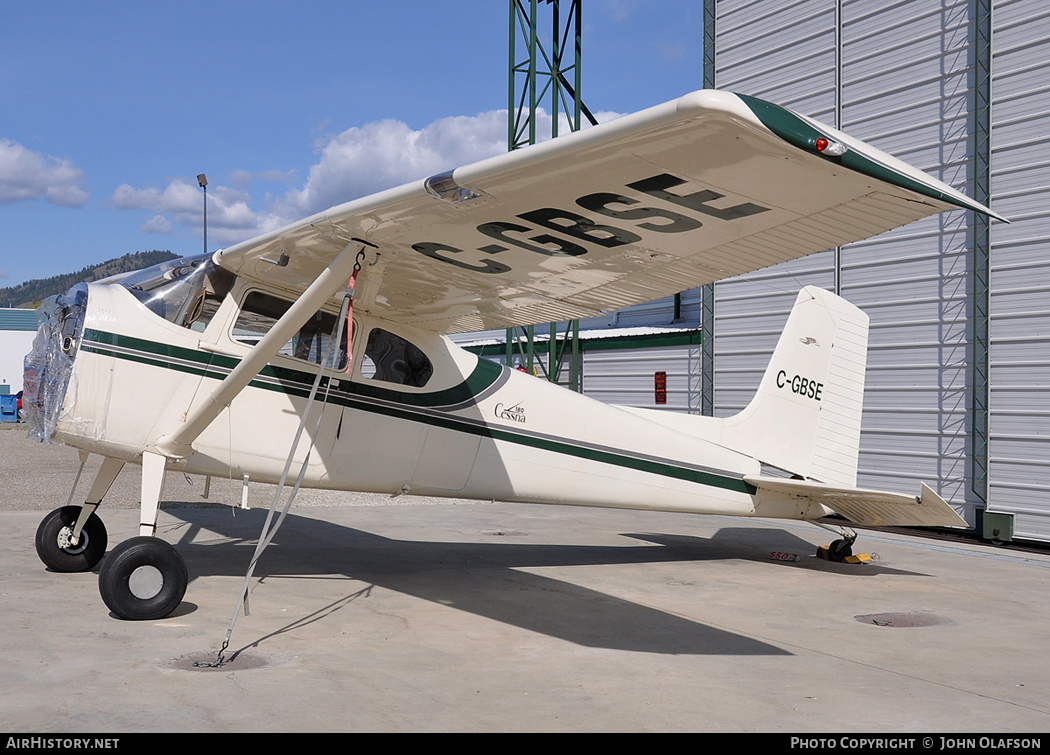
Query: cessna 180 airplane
[[212, 365]]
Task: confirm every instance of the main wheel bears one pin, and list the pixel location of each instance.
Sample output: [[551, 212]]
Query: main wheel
[[143, 578], [53, 541]]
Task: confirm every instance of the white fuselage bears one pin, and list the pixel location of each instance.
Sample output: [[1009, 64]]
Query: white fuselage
[[476, 429]]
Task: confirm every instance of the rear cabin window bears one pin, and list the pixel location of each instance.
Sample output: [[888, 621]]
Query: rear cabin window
[[262, 311], [392, 359], [208, 307]]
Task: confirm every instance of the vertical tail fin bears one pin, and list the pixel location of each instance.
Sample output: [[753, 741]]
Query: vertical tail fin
[[805, 418]]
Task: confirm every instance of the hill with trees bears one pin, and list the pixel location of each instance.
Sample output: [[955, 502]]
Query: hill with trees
[[31, 293]]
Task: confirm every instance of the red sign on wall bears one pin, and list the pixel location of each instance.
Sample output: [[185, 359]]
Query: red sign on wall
[[660, 387]]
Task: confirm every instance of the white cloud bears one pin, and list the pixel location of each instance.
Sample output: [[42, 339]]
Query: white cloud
[[181, 204], [26, 175], [157, 224], [352, 164], [178, 197], [388, 153], [381, 155]]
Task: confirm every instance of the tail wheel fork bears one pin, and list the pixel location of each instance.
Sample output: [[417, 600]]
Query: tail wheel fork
[[73, 538], [840, 549]]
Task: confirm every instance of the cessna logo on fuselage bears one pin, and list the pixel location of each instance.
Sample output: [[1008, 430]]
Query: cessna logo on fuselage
[[799, 385], [559, 232], [514, 413]]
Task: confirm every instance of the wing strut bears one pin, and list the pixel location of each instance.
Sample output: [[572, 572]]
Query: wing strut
[[180, 443]]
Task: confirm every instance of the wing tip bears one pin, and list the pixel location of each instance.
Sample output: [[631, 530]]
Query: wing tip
[[714, 100]]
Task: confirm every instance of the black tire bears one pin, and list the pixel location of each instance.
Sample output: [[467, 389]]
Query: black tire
[[839, 551], [82, 557], [127, 563]]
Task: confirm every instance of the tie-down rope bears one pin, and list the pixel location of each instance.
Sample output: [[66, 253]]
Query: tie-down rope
[[346, 312]]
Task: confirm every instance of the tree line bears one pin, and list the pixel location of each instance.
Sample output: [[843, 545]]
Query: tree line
[[31, 293]]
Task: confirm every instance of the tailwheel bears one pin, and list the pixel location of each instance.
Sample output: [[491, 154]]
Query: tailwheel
[[840, 550], [143, 578], [55, 546]]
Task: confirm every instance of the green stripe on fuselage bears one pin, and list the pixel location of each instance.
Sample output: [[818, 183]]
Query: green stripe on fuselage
[[295, 382], [414, 407]]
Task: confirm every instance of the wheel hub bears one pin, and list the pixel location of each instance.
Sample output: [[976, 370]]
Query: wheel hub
[[69, 544], [146, 582]]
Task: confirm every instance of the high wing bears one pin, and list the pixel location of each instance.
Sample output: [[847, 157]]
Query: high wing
[[703, 188]]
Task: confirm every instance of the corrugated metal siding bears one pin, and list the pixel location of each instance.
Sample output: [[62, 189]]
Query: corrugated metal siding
[[18, 319], [626, 376], [656, 313], [906, 87], [784, 53], [1020, 302]]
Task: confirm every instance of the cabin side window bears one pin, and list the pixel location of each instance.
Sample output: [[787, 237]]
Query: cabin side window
[[261, 312], [392, 359]]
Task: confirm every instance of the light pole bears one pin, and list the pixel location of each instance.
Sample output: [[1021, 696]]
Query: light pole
[[202, 181]]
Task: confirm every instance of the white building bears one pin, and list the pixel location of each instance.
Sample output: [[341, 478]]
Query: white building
[[17, 329]]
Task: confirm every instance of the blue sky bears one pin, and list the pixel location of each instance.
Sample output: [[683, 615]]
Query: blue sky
[[111, 108]]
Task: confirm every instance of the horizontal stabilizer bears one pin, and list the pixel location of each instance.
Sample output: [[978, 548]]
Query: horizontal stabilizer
[[865, 507]]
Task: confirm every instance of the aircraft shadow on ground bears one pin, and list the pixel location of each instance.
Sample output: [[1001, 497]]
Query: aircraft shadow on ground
[[756, 545], [484, 578]]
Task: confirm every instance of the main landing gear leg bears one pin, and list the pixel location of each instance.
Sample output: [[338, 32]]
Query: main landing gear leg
[[144, 578], [73, 538]]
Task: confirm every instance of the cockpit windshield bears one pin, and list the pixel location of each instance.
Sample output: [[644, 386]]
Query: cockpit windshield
[[179, 290]]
